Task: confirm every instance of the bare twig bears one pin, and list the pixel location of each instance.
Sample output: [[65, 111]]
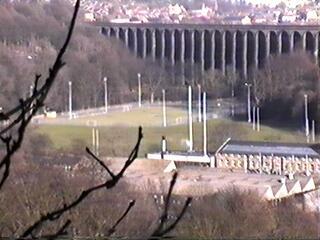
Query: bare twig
[[29, 107], [20, 117], [23, 114], [61, 232], [162, 229], [100, 162], [56, 214], [113, 228]]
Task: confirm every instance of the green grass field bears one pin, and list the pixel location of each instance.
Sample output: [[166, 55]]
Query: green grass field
[[147, 116], [118, 140]]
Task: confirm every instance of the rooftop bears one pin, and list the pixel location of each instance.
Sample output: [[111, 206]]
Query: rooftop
[[270, 148]]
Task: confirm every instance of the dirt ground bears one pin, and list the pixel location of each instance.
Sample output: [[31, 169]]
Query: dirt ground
[[194, 180], [148, 176]]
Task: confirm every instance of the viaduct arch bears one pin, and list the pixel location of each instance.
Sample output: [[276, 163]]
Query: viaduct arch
[[238, 47]]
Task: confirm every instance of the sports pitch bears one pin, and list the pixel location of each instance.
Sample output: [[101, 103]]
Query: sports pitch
[[146, 116], [118, 133]]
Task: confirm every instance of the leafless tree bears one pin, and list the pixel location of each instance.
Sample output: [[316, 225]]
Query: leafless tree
[[20, 116], [12, 136]]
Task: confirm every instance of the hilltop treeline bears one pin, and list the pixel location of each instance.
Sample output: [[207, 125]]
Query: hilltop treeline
[[31, 33], [30, 36]]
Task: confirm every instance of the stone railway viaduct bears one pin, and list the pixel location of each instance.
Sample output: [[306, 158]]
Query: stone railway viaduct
[[210, 47]]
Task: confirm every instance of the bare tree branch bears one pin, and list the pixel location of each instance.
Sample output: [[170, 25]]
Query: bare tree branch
[[22, 115], [180, 216], [162, 229], [113, 228], [61, 232], [12, 136], [30, 106], [56, 214], [100, 162]]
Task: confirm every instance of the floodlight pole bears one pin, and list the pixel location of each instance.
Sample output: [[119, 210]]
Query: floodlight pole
[[204, 124], [190, 118], [253, 118], [105, 80], [232, 99], [94, 139], [97, 141], [258, 119], [70, 99], [199, 103], [313, 131], [306, 116], [164, 114], [249, 102], [139, 90]]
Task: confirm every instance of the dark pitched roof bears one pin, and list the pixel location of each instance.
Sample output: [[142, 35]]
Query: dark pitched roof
[[271, 148]]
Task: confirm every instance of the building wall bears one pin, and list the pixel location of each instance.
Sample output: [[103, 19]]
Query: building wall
[[269, 164]]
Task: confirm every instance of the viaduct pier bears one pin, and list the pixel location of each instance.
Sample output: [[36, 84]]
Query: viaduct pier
[[234, 47]]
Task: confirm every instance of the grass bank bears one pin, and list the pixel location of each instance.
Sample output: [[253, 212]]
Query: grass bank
[[118, 140]]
